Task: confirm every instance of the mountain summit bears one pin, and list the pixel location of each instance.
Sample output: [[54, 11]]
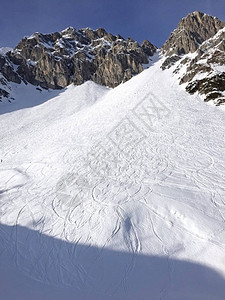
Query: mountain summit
[[192, 31], [200, 40]]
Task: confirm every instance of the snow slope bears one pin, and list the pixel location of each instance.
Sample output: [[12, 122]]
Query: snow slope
[[112, 194]]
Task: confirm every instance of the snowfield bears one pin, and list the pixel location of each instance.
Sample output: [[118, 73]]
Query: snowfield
[[112, 194]]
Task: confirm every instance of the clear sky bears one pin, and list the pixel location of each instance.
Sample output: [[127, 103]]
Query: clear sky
[[139, 19]]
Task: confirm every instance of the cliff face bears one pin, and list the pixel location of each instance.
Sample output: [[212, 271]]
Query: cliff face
[[205, 73], [190, 33], [197, 48], [75, 56]]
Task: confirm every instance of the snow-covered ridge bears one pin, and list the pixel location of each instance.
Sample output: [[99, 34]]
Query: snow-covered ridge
[[200, 66]]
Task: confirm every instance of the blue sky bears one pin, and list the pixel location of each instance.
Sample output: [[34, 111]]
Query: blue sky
[[139, 19]]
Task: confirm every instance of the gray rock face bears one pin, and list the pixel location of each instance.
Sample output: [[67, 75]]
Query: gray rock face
[[205, 73], [7, 70], [190, 33], [170, 61], [75, 56], [7, 74]]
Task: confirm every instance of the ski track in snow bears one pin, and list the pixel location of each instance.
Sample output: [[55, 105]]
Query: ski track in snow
[[111, 176]]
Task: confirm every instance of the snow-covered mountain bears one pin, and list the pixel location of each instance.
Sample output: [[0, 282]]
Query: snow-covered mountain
[[191, 32], [199, 40], [112, 193], [205, 71], [75, 56]]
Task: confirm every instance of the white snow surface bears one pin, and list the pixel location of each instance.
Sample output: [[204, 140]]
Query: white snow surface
[[112, 194]]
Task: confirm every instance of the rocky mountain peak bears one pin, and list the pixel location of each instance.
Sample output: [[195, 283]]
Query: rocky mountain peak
[[205, 71], [200, 38], [191, 31], [69, 31], [58, 59]]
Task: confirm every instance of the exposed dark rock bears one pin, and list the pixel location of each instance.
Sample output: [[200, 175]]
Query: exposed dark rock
[[170, 61], [220, 101], [213, 95], [3, 81], [3, 93], [148, 48], [7, 70], [211, 85]]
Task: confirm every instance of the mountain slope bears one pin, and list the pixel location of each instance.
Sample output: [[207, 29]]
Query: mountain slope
[[119, 197]]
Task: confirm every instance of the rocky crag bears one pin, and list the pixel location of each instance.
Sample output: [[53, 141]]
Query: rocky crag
[[74, 56], [197, 49]]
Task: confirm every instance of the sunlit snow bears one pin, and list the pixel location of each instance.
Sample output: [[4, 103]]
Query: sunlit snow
[[112, 194]]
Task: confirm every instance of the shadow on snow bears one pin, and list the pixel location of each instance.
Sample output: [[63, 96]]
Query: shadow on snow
[[36, 266]]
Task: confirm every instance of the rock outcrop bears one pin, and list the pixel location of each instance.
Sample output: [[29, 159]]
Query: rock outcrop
[[7, 70], [191, 32], [204, 36], [205, 73], [7, 74], [74, 56]]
